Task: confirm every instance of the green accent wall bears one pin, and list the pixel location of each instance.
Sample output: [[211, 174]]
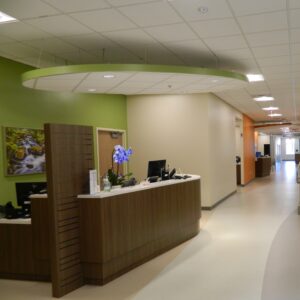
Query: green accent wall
[[28, 108]]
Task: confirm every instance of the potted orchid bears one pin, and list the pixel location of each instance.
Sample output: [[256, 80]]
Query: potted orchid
[[119, 156]]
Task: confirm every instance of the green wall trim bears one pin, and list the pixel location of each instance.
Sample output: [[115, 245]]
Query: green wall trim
[[87, 68]]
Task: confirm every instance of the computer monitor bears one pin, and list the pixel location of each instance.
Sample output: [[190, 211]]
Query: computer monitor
[[155, 167], [25, 189]]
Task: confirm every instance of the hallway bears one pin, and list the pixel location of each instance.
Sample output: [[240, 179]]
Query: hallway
[[247, 249]]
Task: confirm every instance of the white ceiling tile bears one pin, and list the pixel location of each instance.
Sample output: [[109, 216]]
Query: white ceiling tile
[[118, 77], [130, 37], [117, 55], [79, 57], [239, 93], [157, 13], [91, 42], [257, 88], [77, 5], [21, 9], [295, 60], [295, 35], [104, 20], [264, 22], [246, 7], [5, 40], [294, 3], [295, 48], [45, 61], [171, 33], [275, 76], [22, 32], [148, 77], [235, 54], [127, 2], [295, 18], [194, 53], [273, 61], [215, 28], [239, 65], [19, 50], [276, 69], [59, 25], [135, 40], [192, 45], [268, 38], [226, 43], [52, 45], [271, 51], [216, 9], [160, 55]]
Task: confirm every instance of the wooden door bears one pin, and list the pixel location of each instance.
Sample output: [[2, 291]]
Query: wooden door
[[106, 142]]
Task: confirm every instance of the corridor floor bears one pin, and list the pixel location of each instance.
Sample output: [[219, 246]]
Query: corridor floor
[[248, 249]]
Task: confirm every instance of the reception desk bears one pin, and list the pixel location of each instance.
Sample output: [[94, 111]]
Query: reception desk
[[119, 230], [124, 228], [263, 166], [24, 245]]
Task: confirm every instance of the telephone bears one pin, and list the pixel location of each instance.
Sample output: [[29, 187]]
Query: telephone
[[172, 173]]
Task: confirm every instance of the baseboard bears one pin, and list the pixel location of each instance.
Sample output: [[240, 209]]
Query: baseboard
[[219, 202]]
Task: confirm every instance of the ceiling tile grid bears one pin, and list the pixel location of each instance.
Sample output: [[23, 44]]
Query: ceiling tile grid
[[260, 36]]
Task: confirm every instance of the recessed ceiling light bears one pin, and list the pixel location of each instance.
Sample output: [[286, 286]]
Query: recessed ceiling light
[[255, 77], [108, 76], [270, 108], [4, 18], [92, 90], [286, 129], [274, 115], [263, 98], [203, 9]]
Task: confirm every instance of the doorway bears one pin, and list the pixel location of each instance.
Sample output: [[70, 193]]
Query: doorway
[[107, 139]]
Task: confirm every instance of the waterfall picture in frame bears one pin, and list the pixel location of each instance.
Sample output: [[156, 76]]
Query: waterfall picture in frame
[[24, 151]]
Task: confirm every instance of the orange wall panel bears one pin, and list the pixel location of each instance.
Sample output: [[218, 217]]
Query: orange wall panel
[[249, 149]]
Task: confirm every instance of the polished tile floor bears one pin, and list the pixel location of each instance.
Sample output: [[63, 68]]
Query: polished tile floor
[[248, 249]]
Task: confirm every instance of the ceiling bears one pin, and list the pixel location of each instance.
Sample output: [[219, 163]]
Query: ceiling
[[257, 36], [132, 79]]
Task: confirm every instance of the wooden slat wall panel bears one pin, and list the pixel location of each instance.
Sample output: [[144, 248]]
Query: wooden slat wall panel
[[69, 151]]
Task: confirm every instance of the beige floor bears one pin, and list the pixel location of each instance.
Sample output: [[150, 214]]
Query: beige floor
[[248, 249]]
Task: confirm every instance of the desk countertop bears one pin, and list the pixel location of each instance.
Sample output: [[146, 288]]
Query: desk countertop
[[16, 221], [139, 187]]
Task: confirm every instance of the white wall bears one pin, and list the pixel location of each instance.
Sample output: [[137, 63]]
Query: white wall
[[195, 133], [222, 149], [262, 139]]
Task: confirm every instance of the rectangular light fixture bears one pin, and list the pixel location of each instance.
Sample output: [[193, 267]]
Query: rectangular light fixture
[[270, 108], [274, 115], [263, 98], [4, 18], [255, 77]]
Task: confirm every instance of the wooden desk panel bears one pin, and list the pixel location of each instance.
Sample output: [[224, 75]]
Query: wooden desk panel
[[24, 248], [120, 232], [263, 166]]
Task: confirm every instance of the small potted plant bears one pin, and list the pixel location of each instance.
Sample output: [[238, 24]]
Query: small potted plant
[[119, 156]]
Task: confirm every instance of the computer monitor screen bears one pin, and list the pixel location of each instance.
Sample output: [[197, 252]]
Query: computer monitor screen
[[25, 189], [155, 167]]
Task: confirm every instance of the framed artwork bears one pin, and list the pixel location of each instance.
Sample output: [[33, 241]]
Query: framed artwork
[[24, 151]]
